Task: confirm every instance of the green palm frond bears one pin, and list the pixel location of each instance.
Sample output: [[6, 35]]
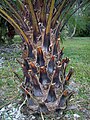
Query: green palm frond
[[50, 17], [14, 24], [34, 19]]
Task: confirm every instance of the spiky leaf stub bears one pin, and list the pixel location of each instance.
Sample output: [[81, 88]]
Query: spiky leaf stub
[[44, 68], [46, 80]]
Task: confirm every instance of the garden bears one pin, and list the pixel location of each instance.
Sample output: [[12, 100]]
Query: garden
[[44, 63]]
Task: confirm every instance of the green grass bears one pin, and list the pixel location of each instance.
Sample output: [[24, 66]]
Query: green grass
[[77, 49], [8, 82]]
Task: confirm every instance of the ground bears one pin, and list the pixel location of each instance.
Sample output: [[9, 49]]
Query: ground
[[77, 49]]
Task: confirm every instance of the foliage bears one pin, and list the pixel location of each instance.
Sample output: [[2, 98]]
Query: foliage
[[3, 30], [81, 21], [7, 32]]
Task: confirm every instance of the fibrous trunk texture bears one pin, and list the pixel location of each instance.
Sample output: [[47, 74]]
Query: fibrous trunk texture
[[45, 82]]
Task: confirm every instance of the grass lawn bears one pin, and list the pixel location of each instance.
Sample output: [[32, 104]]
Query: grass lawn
[[77, 49]]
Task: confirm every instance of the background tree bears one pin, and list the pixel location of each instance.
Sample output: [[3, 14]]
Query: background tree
[[78, 24], [40, 23], [83, 22], [3, 29], [7, 31]]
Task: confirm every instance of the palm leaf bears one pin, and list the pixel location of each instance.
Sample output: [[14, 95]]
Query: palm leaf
[[15, 12], [50, 17], [31, 10], [21, 5], [57, 13], [43, 12], [67, 19], [8, 18]]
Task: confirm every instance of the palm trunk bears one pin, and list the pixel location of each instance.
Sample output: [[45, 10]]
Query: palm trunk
[[45, 83]]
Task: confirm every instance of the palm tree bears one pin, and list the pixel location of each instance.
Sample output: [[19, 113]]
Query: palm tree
[[40, 23]]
